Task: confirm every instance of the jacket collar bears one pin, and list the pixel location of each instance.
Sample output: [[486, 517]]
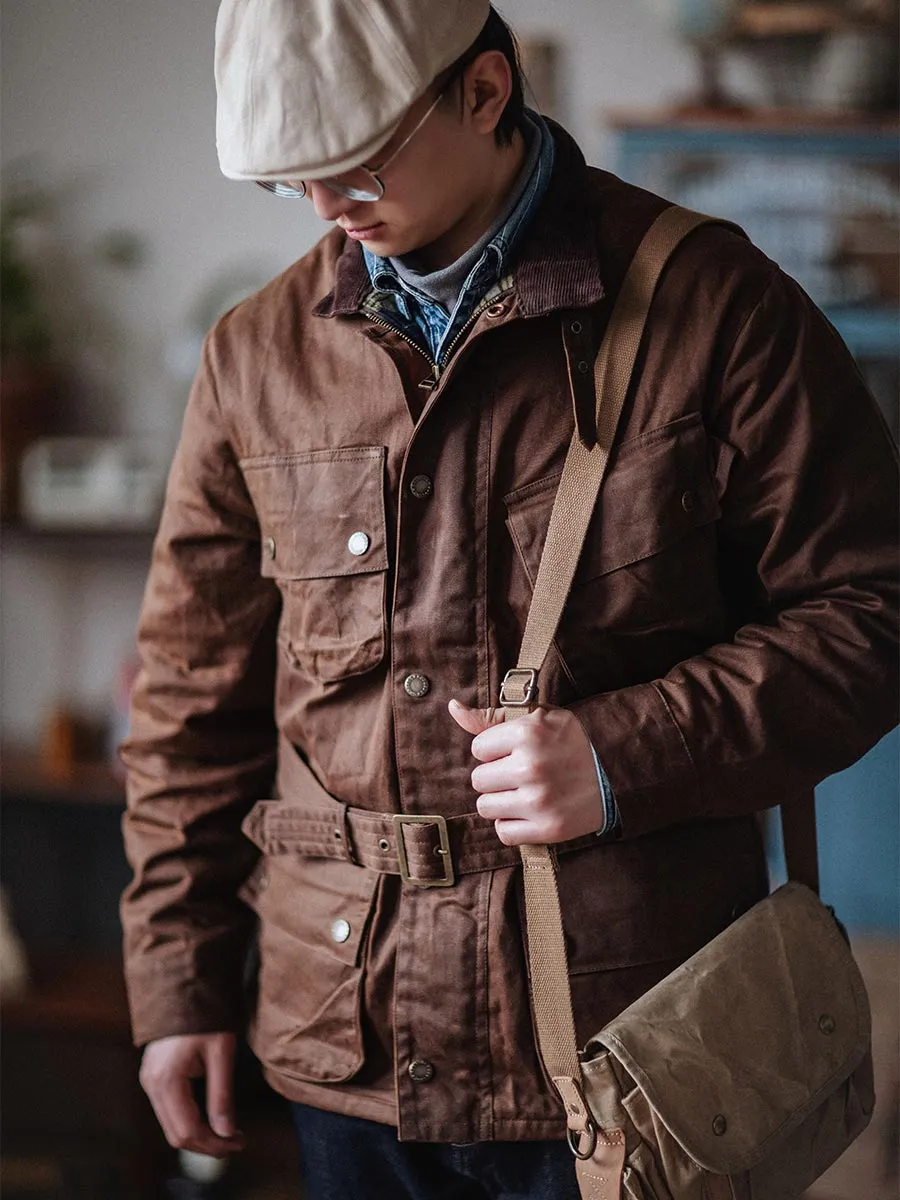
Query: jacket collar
[[557, 266]]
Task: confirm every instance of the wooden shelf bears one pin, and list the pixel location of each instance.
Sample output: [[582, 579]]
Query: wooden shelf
[[133, 544], [71, 995], [24, 775], [757, 120]]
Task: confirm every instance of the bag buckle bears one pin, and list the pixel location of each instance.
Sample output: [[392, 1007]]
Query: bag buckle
[[528, 685], [442, 850]]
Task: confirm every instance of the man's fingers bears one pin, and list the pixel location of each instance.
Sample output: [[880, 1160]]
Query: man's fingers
[[517, 833], [220, 1087], [499, 806], [475, 720]]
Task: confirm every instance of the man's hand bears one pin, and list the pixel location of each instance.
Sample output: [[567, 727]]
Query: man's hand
[[538, 778], [167, 1068]]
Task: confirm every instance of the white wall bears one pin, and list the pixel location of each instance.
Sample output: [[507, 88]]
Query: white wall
[[113, 101]]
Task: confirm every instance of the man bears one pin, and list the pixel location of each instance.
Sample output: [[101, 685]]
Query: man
[[352, 528]]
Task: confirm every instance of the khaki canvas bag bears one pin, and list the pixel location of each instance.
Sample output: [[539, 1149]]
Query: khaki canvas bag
[[746, 1072]]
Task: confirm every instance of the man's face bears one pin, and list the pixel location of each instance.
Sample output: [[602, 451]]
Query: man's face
[[437, 189]]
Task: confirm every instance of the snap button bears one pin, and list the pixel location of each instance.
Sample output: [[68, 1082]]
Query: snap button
[[358, 543], [583, 367], [270, 547], [688, 501], [719, 1125], [496, 310], [421, 1071], [340, 930], [576, 327], [420, 486], [827, 1023], [417, 686]]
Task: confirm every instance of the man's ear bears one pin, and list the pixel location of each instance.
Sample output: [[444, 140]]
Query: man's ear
[[487, 87]]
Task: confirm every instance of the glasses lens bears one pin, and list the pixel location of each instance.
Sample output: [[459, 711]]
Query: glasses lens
[[358, 184], [286, 191]]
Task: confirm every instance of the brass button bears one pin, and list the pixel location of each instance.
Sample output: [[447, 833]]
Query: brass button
[[719, 1125], [270, 547], [421, 1071], [827, 1024], [358, 543], [496, 310], [688, 501], [417, 686], [340, 930], [420, 486]]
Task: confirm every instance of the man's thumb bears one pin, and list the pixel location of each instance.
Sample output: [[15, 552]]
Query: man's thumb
[[475, 720]]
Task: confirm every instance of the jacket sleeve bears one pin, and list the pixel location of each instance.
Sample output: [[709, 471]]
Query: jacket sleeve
[[201, 748], [808, 548]]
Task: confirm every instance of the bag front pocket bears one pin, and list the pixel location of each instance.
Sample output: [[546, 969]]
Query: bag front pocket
[[313, 923], [323, 540]]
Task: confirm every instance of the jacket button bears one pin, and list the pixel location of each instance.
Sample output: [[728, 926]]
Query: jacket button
[[421, 1071], [420, 486], [358, 543], [340, 930], [827, 1024], [688, 501], [417, 686], [719, 1125], [270, 547]]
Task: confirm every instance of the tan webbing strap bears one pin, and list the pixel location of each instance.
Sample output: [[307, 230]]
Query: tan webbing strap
[[600, 1155], [584, 469]]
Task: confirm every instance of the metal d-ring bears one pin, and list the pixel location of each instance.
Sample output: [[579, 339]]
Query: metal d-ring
[[573, 1137]]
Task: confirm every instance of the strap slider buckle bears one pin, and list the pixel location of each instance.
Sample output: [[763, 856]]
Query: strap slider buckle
[[442, 850], [524, 681]]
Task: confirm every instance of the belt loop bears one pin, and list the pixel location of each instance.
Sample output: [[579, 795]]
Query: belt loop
[[348, 836]]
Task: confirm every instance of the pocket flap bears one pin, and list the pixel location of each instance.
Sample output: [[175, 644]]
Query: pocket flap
[[739, 1045], [659, 487], [320, 513]]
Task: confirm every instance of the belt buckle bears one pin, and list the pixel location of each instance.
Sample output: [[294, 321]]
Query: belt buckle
[[529, 686], [401, 819]]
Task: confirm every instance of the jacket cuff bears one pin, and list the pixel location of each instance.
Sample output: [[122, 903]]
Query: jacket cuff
[[645, 758], [169, 999]]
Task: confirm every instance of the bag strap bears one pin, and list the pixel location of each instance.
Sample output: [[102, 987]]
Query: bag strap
[[574, 504]]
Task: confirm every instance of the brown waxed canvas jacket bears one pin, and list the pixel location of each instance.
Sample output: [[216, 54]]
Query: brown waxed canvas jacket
[[348, 542]]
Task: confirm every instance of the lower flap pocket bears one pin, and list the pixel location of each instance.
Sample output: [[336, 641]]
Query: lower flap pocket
[[314, 918]]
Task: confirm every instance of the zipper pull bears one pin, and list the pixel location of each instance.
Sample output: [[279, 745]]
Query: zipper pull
[[428, 384]]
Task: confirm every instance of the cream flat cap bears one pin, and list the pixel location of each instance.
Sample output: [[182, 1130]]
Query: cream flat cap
[[310, 88]]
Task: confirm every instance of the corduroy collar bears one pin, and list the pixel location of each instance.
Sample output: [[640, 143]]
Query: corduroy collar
[[557, 265]]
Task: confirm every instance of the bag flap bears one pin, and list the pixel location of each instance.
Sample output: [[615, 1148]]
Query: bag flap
[[738, 1045]]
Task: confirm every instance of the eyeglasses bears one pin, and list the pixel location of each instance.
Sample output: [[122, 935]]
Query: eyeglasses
[[360, 183]]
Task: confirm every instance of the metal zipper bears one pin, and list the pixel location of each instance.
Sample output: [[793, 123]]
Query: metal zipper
[[431, 384]]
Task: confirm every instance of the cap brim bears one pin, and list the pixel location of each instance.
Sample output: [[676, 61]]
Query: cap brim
[[319, 170]]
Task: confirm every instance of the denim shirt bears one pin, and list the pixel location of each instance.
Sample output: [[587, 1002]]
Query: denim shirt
[[432, 308], [409, 299]]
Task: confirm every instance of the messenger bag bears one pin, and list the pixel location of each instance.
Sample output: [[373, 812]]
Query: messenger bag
[[747, 1071]]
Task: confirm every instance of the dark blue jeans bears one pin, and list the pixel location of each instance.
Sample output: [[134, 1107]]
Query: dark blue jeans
[[346, 1158]]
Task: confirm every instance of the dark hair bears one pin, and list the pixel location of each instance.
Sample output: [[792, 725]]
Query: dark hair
[[497, 35]]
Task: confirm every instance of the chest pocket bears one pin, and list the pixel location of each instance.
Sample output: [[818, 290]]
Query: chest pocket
[[649, 561], [323, 540]]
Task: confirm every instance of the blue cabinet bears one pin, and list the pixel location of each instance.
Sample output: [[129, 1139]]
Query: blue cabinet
[[822, 198]]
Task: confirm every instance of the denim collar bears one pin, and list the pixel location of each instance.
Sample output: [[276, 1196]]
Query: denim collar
[[432, 307]]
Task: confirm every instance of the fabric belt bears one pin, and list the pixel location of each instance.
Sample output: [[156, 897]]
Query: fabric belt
[[426, 850]]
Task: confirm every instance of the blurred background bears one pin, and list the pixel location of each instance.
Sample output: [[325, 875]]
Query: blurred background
[[120, 244]]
